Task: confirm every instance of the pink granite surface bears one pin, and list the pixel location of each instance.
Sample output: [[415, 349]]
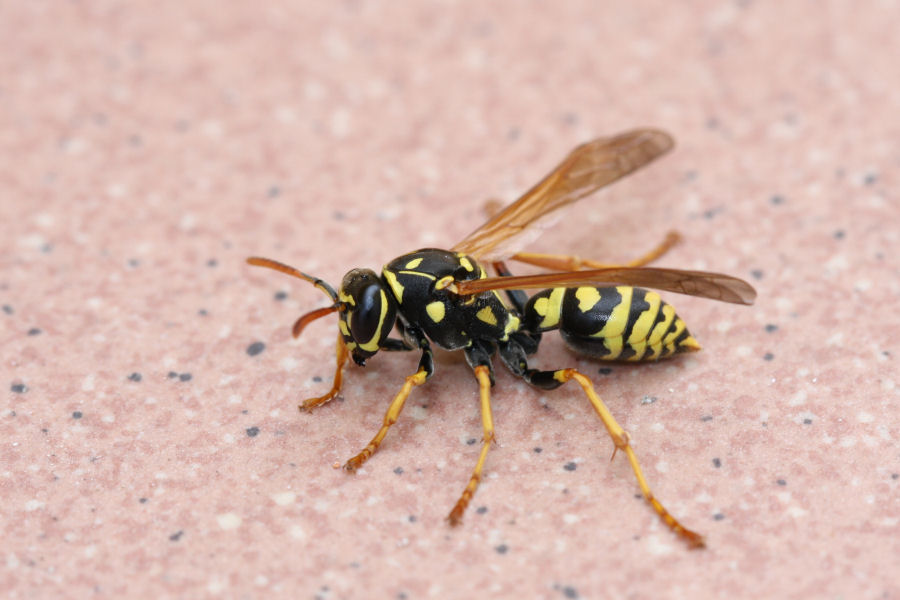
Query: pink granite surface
[[147, 148]]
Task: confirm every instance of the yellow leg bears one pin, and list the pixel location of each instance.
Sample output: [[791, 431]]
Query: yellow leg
[[393, 412], [482, 373], [561, 262], [620, 439], [341, 355]]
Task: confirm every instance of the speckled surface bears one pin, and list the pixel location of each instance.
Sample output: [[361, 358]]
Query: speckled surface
[[149, 442]]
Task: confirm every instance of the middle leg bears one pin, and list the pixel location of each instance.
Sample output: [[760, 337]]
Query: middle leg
[[479, 357]]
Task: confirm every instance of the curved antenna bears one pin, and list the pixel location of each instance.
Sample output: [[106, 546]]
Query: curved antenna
[[256, 261], [311, 316]]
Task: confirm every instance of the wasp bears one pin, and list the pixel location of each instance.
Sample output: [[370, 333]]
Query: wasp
[[446, 298]]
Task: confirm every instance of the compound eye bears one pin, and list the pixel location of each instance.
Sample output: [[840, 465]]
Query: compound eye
[[366, 315]]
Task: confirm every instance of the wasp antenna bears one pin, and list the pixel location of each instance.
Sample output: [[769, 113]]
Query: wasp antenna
[[257, 261], [311, 316]]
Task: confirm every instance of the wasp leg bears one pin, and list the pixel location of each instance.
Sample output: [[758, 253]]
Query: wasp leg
[[480, 355], [561, 262], [425, 370], [514, 358], [341, 355]]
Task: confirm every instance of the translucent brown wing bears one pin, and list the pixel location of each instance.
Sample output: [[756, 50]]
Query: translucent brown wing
[[588, 168], [715, 286]]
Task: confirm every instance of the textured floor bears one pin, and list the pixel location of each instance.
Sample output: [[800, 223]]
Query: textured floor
[[149, 442]]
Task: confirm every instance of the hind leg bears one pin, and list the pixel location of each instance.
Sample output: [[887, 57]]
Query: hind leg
[[515, 359], [561, 262]]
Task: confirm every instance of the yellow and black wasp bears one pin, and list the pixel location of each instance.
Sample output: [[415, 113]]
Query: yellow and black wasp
[[446, 297]]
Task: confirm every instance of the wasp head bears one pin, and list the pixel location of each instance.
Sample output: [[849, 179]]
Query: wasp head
[[367, 313]]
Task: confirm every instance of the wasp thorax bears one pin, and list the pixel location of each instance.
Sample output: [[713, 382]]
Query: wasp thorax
[[368, 313]]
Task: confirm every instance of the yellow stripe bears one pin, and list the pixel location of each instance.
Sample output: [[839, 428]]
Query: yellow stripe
[[614, 345], [639, 349], [396, 286], [553, 308], [466, 264], [662, 326], [644, 322], [618, 317], [372, 345], [413, 263]]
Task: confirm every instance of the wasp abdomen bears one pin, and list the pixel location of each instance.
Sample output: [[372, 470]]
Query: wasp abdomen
[[611, 323]]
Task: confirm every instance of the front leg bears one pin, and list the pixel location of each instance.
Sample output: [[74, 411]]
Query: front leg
[[425, 371]]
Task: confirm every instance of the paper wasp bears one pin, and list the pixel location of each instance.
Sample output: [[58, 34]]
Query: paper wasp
[[446, 297]]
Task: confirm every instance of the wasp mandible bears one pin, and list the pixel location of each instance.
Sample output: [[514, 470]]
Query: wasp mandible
[[446, 297]]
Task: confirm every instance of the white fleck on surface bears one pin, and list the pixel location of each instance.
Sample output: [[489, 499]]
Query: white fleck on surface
[[87, 384], [288, 363], [864, 417], [228, 521], [283, 498], [33, 505]]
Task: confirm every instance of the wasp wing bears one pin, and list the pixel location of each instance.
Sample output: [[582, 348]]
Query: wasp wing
[[585, 170], [715, 286]]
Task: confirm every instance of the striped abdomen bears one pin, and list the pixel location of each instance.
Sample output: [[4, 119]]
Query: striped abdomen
[[611, 323]]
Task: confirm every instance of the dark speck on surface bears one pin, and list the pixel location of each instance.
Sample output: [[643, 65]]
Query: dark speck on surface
[[570, 466], [481, 510], [399, 470], [172, 375], [538, 450], [34, 331], [8, 309], [185, 377], [807, 421], [768, 356], [870, 178], [143, 500], [471, 441], [202, 312], [717, 462], [839, 234], [771, 327], [718, 516], [781, 482], [605, 370], [895, 475], [502, 549], [18, 388], [317, 379], [212, 262], [280, 295], [273, 191], [648, 399], [253, 431], [777, 199], [135, 377], [255, 348], [570, 592], [176, 536], [756, 274], [77, 414], [706, 418]]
